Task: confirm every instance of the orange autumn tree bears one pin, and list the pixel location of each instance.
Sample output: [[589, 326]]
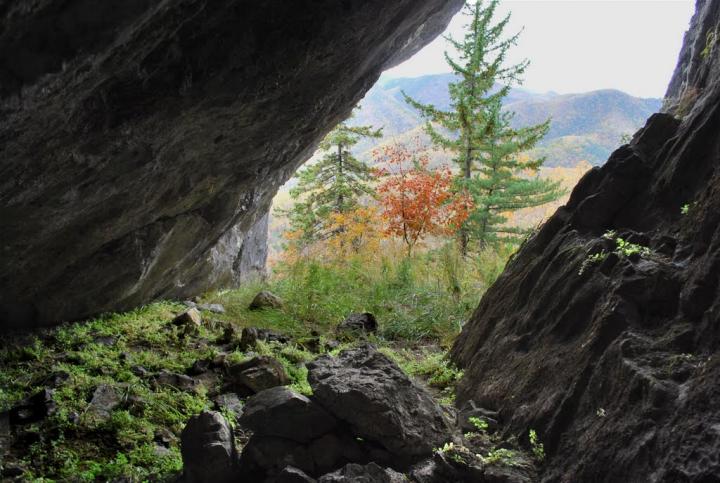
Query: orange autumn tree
[[417, 201]]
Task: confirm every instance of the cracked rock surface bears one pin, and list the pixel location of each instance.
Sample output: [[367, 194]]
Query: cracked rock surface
[[614, 362]]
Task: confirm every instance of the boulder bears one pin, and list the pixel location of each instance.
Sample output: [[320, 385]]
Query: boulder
[[369, 473], [35, 408], [208, 449], [370, 392], [284, 413], [104, 400], [268, 455], [359, 323], [190, 318], [200, 366], [179, 381], [257, 374], [266, 300]]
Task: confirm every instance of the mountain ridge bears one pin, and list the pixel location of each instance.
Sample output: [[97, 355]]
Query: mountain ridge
[[584, 126]]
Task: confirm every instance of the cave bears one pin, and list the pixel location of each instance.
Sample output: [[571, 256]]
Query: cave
[[142, 143]]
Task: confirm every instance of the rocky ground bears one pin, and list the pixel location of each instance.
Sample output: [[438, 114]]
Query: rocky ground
[[186, 390]]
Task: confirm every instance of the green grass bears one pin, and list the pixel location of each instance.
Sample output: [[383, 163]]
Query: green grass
[[425, 298], [420, 304]]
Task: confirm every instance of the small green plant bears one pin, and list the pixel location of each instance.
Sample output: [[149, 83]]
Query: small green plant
[[447, 447], [592, 260], [685, 209], [601, 413], [625, 248], [538, 448], [500, 456], [479, 423]]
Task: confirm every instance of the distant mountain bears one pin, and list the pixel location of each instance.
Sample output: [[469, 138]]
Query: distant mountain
[[587, 126]]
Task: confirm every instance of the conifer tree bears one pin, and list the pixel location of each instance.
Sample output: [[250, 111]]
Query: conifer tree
[[332, 185], [489, 152]]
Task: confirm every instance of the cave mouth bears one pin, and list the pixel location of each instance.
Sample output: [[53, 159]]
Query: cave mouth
[[407, 331]]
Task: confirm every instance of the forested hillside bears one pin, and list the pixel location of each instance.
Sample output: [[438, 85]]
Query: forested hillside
[[585, 126]]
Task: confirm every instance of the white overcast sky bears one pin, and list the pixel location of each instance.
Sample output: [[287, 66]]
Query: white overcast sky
[[583, 45]]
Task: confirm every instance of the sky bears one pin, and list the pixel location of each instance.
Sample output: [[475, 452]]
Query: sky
[[582, 45]]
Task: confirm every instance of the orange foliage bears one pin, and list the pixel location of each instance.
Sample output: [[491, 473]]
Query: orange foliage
[[417, 201]]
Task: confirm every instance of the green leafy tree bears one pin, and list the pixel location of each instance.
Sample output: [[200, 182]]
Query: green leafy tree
[[494, 172], [333, 184]]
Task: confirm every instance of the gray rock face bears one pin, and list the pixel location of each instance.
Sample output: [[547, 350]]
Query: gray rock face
[[698, 65], [370, 392], [142, 144], [283, 413], [626, 350], [208, 449]]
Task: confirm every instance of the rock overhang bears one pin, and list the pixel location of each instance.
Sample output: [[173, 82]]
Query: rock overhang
[[143, 141]]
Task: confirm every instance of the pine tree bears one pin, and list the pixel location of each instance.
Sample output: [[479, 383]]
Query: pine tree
[[332, 185], [489, 152]]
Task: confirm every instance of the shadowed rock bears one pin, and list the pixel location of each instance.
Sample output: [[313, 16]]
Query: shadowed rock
[[370, 392], [370, 473], [615, 365], [360, 323], [257, 374], [283, 413], [208, 449], [34, 408]]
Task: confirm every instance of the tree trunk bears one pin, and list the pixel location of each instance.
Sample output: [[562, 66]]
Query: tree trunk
[[340, 175]]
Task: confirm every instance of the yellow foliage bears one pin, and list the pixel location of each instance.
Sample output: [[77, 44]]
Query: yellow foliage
[[356, 233]]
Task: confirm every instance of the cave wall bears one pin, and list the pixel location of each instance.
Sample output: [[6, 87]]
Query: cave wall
[[615, 364], [143, 140]]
